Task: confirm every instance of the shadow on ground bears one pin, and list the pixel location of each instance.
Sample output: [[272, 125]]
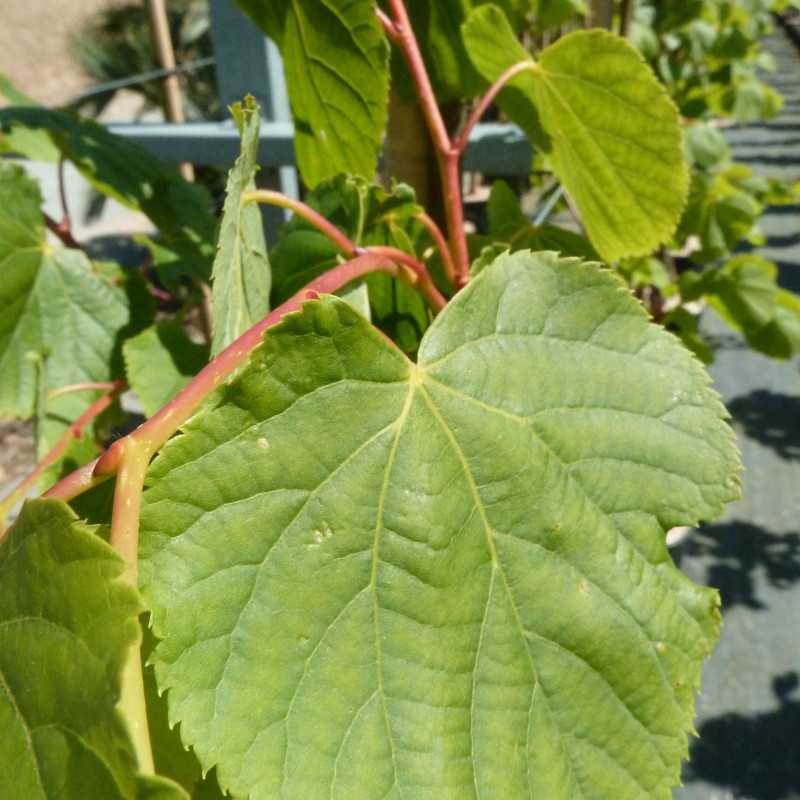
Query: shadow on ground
[[755, 757], [771, 418], [739, 556]]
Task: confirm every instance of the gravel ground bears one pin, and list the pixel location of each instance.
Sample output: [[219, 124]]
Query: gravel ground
[[16, 453], [34, 46]]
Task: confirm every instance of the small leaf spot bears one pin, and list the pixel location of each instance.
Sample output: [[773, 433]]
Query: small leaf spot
[[321, 534], [661, 647], [556, 529], [263, 444], [583, 586]]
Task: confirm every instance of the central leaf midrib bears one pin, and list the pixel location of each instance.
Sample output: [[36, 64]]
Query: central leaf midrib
[[390, 461], [489, 532], [526, 423], [497, 565]]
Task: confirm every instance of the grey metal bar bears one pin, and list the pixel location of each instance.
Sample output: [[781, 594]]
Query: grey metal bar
[[494, 149]]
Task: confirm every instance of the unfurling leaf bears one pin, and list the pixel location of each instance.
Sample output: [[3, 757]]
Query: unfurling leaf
[[371, 575], [612, 133], [241, 272]]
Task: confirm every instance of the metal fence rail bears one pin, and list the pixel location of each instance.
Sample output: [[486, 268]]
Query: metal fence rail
[[247, 62]]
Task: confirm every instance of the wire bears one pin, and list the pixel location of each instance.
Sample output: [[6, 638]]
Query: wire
[[142, 77]]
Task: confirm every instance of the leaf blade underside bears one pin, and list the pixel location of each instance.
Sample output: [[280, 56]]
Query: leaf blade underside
[[611, 129], [461, 590]]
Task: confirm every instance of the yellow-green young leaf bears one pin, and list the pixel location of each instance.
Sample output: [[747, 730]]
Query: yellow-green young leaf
[[375, 578], [59, 319], [241, 272], [612, 132], [160, 361], [336, 60], [66, 623]]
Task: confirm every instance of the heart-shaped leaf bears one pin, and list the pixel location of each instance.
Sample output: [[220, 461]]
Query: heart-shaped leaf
[[612, 132], [376, 578]]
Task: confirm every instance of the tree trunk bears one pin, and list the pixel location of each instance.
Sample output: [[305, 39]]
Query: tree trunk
[[602, 13], [410, 156]]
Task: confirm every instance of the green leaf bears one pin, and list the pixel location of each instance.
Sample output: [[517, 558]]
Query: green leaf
[[745, 293], [706, 146], [127, 172], [336, 61], [369, 574], [172, 760], [748, 100], [241, 272], [35, 145], [720, 213], [160, 361], [614, 135], [59, 320], [686, 326], [554, 13], [510, 229], [369, 215], [504, 211], [66, 623]]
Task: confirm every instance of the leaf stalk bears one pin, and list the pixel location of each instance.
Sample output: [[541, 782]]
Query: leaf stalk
[[482, 107], [125, 540], [74, 431]]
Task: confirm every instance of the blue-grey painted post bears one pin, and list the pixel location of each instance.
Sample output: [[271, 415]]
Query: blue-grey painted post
[[247, 62]]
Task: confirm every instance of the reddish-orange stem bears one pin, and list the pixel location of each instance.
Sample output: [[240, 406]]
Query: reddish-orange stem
[[388, 25], [348, 247], [407, 41], [156, 430], [462, 139], [62, 230], [76, 483], [441, 244], [447, 155], [74, 431], [306, 212]]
